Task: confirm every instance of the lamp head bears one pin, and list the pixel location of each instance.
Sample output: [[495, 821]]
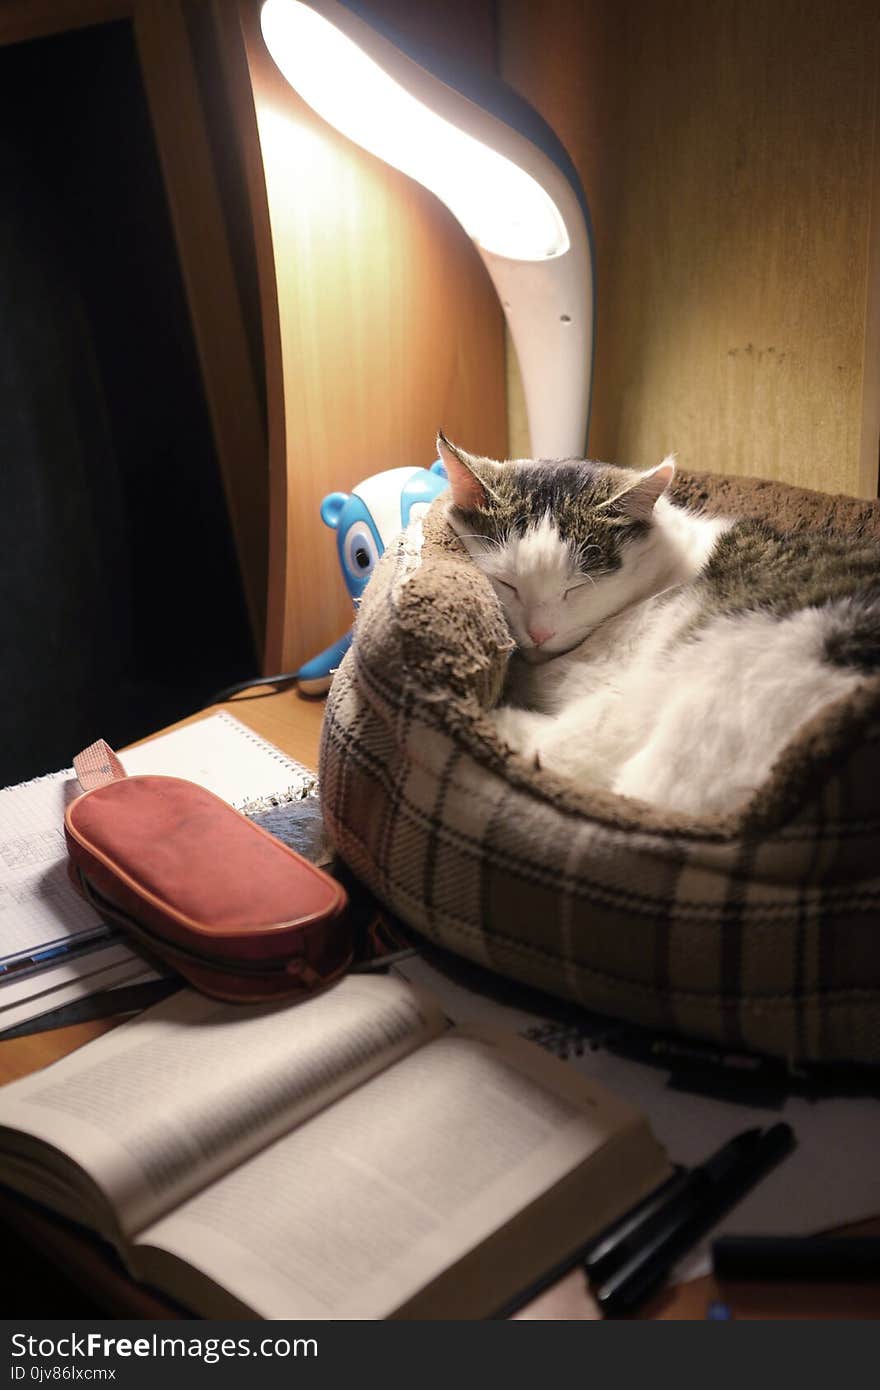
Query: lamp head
[[494, 163], [499, 204]]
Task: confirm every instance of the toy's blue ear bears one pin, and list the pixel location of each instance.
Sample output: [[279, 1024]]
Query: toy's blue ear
[[439, 467], [331, 508]]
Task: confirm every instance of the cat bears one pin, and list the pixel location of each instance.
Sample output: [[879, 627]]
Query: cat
[[662, 654]]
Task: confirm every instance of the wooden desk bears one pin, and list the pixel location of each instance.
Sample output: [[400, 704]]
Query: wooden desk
[[294, 725]]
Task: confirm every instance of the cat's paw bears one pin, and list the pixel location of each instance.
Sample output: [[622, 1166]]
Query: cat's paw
[[522, 730]]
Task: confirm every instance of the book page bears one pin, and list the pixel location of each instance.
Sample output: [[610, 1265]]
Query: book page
[[164, 1104], [361, 1207]]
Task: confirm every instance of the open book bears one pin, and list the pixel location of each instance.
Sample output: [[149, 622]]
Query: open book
[[352, 1156]]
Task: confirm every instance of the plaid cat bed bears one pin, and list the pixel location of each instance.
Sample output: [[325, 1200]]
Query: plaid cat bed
[[759, 931]]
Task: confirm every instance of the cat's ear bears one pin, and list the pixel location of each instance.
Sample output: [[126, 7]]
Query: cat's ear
[[469, 477], [638, 501]]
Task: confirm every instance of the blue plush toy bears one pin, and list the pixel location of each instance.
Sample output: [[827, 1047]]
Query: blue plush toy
[[366, 520]]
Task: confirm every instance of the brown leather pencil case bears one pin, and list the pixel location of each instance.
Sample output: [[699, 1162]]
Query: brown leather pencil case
[[237, 913]]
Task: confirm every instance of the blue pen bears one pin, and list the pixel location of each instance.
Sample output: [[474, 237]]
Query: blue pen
[[51, 953], [31, 962]]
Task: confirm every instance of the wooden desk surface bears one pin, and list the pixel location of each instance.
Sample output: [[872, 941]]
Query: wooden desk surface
[[293, 724]]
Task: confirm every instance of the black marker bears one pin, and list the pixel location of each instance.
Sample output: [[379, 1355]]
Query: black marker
[[610, 1245], [796, 1257], [718, 1185], [630, 1235]]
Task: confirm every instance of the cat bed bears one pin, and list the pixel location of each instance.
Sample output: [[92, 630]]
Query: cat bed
[[759, 931]]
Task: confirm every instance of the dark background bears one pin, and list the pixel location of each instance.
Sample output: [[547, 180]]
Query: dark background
[[121, 606]]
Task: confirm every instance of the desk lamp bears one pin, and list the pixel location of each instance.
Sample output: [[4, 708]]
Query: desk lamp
[[496, 165]]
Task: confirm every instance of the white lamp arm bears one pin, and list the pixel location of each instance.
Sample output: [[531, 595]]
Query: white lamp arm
[[550, 313]]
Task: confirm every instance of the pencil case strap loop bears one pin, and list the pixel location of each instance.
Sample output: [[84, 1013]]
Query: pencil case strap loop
[[98, 765]]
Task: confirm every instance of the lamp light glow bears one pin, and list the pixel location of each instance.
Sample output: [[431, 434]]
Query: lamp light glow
[[501, 206], [507, 181]]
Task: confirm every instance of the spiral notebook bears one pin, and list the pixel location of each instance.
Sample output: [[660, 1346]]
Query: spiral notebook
[[224, 755], [51, 941]]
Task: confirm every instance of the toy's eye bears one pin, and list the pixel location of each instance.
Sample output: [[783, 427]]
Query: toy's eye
[[361, 553]]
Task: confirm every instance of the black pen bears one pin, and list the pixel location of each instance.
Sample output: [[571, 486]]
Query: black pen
[[723, 1180], [630, 1235]]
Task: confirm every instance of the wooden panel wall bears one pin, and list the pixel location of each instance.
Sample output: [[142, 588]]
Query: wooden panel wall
[[729, 149], [380, 326]]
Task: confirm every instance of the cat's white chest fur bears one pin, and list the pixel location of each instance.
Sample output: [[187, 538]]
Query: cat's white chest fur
[[590, 710]]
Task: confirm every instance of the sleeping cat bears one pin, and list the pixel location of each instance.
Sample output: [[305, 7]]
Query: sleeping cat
[[662, 654]]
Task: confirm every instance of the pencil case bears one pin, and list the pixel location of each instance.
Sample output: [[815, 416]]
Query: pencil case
[[240, 915]]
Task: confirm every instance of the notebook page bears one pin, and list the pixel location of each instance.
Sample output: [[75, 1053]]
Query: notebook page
[[75, 970], [37, 904], [224, 755], [130, 971]]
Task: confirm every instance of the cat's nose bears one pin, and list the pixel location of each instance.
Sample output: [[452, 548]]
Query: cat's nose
[[540, 635]]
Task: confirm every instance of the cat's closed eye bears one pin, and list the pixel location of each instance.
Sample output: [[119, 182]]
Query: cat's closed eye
[[511, 588], [581, 584]]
